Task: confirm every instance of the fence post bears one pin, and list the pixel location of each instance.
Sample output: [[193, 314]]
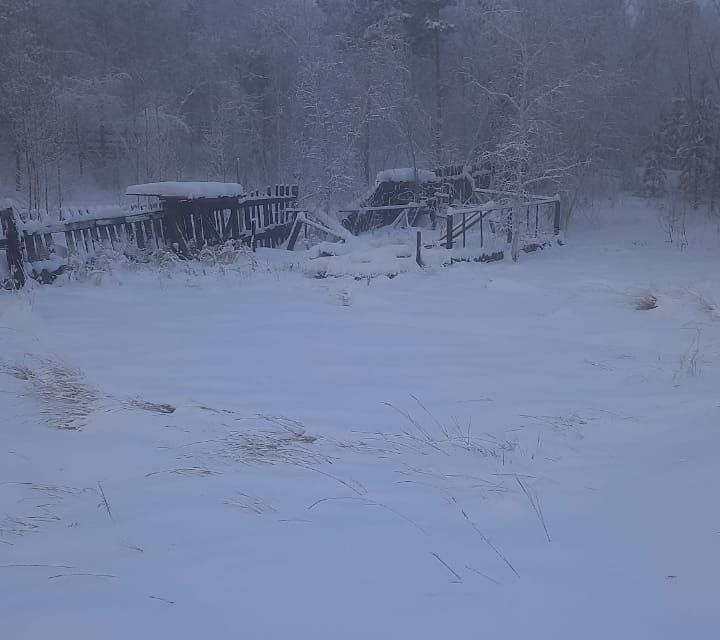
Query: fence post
[[253, 239], [464, 227], [418, 251], [14, 249], [450, 229]]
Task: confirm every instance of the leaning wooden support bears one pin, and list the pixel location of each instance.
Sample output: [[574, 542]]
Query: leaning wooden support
[[13, 249]]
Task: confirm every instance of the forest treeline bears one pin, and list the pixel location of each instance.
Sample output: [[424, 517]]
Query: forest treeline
[[551, 94]]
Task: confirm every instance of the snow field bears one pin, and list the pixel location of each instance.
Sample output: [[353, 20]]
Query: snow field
[[505, 450]]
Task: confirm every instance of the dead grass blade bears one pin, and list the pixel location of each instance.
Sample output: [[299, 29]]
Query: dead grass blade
[[447, 566], [485, 539], [536, 506]]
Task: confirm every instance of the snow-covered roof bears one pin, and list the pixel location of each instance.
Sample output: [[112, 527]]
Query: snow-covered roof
[[188, 190], [405, 175]]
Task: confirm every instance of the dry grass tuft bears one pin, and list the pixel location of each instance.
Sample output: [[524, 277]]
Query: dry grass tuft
[[66, 398], [428, 434], [271, 446]]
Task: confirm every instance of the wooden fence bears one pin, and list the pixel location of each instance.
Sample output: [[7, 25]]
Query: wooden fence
[[261, 219], [535, 216]]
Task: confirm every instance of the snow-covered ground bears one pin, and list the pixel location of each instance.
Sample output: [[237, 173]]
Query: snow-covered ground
[[502, 451]]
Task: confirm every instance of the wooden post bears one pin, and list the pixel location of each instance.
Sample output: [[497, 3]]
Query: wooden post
[[464, 228], [253, 238], [418, 251], [482, 233], [510, 227], [13, 250], [450, 229]]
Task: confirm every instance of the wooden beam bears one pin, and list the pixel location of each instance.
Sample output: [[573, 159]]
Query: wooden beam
[[13, 250]]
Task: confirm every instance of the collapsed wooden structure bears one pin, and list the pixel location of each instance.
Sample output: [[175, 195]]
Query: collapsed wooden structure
[[458, 201], [187, 218], [183, 217]]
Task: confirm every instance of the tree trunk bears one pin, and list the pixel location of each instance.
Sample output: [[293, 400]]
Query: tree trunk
[[18, 169], [438, 102]]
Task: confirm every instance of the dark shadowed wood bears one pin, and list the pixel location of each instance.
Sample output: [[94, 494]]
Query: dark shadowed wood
[[30, 248], [49, 243], [104, 233], [70, 242], [13, 249], [149, 234], [140, 235]]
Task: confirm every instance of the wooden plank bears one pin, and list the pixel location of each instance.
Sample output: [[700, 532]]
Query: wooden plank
[[49, 243], [149, 234], [13, 249], [247, 217], [42, 250], [197, 221], [129, 233], [95, 236], [30, 249], [104, 234], [79, 241], [87, 238], [235, 223], [116, 237], [70, 242], [175, 234], [212, 237], [139, 235], [158, 232], [295, 233]]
